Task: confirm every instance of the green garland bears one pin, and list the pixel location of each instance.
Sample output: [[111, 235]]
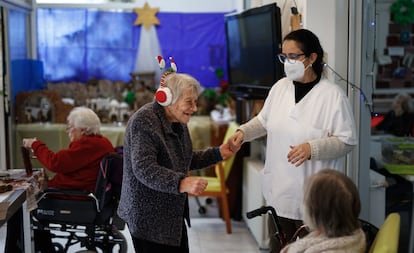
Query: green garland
[[403, 12]]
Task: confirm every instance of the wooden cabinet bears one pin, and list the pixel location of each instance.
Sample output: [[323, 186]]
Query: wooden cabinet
[[253, 199]]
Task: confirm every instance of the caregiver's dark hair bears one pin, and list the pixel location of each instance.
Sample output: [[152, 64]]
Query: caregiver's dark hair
[[309, 43]]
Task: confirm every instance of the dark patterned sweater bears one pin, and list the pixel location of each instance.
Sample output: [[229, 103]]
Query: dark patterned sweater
[[157, 156]]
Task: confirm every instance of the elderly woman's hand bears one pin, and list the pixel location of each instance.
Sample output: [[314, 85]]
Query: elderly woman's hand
[[225, 151], [27, 142], [193, 185], [236, 141]]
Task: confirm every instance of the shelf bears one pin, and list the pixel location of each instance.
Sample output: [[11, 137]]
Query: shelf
[[393, 91]]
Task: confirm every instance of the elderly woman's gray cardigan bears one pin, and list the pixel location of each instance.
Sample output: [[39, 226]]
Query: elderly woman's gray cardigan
[[157, 156]]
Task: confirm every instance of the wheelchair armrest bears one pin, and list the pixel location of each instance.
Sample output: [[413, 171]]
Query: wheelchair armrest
[[65, 191]]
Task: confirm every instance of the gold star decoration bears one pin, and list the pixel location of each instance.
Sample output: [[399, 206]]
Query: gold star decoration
[[146, 16]]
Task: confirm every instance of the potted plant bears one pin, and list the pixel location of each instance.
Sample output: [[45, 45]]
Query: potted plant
[[403, 14]]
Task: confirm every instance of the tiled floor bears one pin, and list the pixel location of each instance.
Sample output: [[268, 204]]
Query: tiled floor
[[208, 234]]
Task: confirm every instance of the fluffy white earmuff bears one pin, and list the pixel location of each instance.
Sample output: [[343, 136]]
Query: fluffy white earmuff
[[163, 96]]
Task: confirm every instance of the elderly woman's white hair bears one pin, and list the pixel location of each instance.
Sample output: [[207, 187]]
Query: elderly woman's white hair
[[402, 103], [179, 82], [85, 119]]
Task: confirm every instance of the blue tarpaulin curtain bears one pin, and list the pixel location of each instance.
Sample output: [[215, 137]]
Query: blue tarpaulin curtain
[[17, 34], [81, 44], [26, 74]]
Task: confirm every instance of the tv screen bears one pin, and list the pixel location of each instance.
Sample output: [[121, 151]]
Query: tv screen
[[253, 42]]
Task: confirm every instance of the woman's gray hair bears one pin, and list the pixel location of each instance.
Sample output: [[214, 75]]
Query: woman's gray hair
[[85, 119], [331, 203], [404, 100], [178, 83]]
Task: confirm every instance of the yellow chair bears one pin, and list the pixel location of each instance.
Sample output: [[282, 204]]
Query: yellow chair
[[386, 240], [217, 184]]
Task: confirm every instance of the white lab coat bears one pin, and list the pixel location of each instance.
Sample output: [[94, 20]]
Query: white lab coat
[[324, 111]]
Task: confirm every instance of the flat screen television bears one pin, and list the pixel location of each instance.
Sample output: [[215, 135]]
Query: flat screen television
[[253, 41]]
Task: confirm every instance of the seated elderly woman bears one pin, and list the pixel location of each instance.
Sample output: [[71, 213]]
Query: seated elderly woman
[[331, 210], [77, 166], [400, 119]]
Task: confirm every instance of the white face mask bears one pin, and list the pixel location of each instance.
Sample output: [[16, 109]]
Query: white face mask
[[295, 71]]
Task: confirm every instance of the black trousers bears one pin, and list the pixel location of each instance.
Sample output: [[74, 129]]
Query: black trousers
[[144, 246]]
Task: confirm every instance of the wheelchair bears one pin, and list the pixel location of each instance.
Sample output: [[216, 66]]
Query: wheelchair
[[279, 234], [88, 218], [370, 230]]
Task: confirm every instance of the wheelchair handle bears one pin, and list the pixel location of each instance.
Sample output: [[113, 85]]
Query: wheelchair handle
[[258, 212], [279, 232]]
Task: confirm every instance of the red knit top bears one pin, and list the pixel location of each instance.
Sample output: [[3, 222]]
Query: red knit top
[[76, 167]]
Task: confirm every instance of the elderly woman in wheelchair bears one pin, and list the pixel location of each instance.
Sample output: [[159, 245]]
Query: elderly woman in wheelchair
[[77, 170]]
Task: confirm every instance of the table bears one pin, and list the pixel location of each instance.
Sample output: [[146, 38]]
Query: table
[[200, 131], [20, 198], [56, 138], [376, 154], [15, 201]]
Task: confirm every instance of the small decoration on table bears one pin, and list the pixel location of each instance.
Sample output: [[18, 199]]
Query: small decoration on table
[[6, 188]]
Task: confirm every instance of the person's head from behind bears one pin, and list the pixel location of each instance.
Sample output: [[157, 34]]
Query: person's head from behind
[[82, 121], [402, 104], [302, 55], [184, 90], [331, 204]]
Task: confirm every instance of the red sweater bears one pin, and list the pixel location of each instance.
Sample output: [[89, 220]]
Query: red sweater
[[76, 167]]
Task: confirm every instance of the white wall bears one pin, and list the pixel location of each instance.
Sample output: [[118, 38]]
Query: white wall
[[285, 10], [2, 126]]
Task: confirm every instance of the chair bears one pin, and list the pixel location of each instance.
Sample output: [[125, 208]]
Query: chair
[[88, 218], [217, 184], [386, 240]]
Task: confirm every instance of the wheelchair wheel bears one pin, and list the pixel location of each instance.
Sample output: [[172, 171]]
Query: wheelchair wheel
[[116, 244], [123, 245], [209, 201], [202, 210], [120, 243], [58, 247]]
